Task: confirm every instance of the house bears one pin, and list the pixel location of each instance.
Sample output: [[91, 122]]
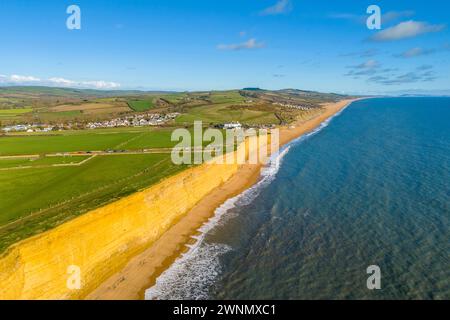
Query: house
[[232, 125]]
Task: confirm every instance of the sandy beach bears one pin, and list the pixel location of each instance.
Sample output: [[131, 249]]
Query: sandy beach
[[142, 271]]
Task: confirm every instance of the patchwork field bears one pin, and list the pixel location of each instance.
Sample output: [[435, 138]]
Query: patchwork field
[[13, 113], [92, 108], [141, 105]]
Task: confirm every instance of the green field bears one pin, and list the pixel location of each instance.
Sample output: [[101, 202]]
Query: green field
[[11, 113], [40, 161], [226, 97], [38, 193], [15, 111], [35, 200], [222, 113], [86, 140], [141, 105], [43, 188], [38, 144]]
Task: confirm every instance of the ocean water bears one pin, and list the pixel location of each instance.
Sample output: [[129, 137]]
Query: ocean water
[[370, 187]]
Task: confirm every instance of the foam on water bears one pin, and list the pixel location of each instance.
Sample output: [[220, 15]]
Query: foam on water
[[193, 273]]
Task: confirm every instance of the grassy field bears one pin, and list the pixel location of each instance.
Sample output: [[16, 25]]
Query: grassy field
[[141, 105], [35, 200], [42, 188], [40, 144], [13, 113], [88, 141], [59, 116], [38, 193], [226, 97], [223, 113], [9, 163]]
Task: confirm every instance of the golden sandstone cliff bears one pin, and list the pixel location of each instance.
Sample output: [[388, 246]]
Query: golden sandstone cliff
[[100, 242]]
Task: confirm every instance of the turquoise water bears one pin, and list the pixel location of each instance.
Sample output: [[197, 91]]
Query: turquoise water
[[371, 188]]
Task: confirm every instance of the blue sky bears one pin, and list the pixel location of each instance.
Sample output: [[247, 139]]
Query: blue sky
[[319, 45]]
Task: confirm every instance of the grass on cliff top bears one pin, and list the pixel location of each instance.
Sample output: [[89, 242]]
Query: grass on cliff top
[[41, 197], [83, 140], [40, 161], [37, 199], [88, 140]]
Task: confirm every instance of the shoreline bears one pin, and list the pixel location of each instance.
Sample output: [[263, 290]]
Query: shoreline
[[141, 272]]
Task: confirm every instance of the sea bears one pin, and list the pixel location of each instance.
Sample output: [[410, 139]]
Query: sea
[[369, 187]]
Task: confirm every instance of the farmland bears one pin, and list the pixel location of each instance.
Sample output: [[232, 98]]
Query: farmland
[[141, 105], [11, 114]]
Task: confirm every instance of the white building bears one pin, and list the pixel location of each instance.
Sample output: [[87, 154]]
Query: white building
[[232, 125]]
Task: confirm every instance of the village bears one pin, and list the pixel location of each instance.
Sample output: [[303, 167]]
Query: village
[[293, 106], [138, 120]]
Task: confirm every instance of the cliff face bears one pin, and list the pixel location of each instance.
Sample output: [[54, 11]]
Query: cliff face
[[101, 241]]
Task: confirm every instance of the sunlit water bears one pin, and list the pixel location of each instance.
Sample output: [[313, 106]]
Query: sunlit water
[[370, 188]]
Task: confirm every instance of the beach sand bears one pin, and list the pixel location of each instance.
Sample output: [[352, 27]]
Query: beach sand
[[142, 271]]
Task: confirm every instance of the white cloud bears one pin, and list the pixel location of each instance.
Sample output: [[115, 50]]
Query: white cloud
[[424, 67], [101, 84], [19, 79], [394, 15], [282, 6], [57, 82], [250, 44], [362, 54], [369, 64], [415, 52], [408, 29], [409, 77], [62, 82], [370, 67]]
